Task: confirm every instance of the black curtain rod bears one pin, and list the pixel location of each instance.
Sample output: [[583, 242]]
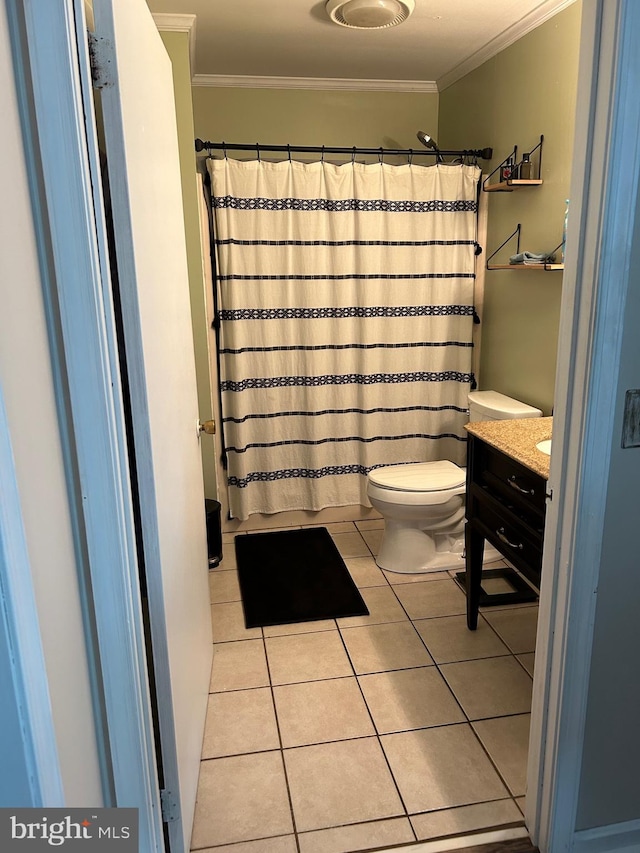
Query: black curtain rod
[[482, 153]]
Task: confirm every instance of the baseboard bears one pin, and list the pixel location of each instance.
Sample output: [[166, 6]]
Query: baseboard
[[618, 837]]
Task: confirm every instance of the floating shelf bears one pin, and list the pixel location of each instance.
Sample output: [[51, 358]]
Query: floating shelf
[[535, 267], [510, 186]]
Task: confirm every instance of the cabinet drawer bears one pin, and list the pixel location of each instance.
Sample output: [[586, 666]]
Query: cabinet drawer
[[511, 480], [520, 543]]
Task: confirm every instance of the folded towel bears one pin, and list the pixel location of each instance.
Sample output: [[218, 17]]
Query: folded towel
[[532, 258]]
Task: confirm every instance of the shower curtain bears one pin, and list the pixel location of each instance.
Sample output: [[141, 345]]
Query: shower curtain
[[346, 311]]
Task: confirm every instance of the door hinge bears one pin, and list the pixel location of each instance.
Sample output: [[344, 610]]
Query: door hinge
[[631, 419], [101, 58], [169, 805]]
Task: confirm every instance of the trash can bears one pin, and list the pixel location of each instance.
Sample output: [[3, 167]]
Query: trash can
[[214, 532]]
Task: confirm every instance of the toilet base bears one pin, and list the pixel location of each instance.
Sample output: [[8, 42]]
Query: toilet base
[[410, 550], [439, 563]]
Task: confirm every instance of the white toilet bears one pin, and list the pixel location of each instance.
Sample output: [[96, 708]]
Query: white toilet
[[422, 503]]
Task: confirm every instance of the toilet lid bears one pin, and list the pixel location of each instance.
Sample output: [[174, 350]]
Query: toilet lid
[[419, 476]]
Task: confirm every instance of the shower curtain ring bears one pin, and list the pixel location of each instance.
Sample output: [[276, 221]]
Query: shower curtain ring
[[289, 151], [353, 155], [224, 149], [410, 157], [322, 155], [380, 155], [258, 151]]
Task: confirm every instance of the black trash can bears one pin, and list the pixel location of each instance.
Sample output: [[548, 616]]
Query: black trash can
[[214, 532]]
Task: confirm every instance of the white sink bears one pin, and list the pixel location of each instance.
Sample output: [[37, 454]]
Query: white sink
[[545, 446]]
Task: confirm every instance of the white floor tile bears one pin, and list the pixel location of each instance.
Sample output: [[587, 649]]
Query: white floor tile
[[442, 767], [506, 739], [340, 783], [491, 687], [383, 606], [358, 836], [240, 799], [307, 657], [351, 545]]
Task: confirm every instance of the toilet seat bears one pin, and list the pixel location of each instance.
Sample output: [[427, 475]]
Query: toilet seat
[[417, 483], [419, 476]]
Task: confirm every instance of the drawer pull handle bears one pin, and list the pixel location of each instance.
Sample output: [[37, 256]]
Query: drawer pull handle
[[502, 537], [514, 485]]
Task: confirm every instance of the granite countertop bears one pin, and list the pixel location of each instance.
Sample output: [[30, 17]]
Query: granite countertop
[[517, 438]]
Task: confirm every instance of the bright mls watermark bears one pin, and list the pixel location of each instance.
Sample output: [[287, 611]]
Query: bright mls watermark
[[69, 830]]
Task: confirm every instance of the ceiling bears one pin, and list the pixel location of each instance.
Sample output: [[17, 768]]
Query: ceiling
[[441, 41]]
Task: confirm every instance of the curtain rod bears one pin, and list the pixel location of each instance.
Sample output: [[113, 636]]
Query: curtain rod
[[483, 153]]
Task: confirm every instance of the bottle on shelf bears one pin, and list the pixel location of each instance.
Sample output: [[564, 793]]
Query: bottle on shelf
[[507, 171], [525, 170]]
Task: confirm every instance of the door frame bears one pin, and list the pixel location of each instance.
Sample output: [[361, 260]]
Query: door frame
[[604, 192], [68, 213]]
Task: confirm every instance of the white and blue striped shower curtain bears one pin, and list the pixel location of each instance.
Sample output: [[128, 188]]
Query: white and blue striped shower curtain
[[346, 307]]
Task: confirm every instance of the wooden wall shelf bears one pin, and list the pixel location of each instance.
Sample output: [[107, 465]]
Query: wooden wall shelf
[[534, 267], [510, 186]]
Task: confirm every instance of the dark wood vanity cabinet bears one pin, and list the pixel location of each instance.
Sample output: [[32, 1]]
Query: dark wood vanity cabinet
[[505, 506]]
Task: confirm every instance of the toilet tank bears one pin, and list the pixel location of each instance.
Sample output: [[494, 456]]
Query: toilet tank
[[492, 406]]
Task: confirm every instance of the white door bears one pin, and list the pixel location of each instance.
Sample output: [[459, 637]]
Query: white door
[[142, 156]]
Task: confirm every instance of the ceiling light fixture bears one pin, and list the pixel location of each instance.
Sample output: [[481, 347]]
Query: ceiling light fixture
[[369, 14]]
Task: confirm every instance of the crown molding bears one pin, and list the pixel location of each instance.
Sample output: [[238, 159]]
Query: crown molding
[[179, 24], [547, 9], [327, 83], [187, 24]]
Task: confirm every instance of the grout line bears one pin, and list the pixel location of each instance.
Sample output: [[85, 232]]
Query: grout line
[[493, 763], [284, 764], [238, 844], [517, 656], [377, 736], [510, 650]]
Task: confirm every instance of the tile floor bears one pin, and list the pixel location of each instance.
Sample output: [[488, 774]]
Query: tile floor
[[363, 732]]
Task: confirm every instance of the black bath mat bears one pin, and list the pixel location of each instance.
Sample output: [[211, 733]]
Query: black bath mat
[[294, 576]]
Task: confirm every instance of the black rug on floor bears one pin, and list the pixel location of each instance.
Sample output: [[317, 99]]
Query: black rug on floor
[[294, 576]]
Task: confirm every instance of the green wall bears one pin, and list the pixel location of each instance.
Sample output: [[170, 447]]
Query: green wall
[[177, 46], [314, 117], [527, 90]]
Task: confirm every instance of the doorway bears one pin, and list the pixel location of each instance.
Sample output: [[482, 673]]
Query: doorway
[[569, 608]]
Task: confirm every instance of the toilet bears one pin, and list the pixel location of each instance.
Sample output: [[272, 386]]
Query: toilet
[[423, 503]]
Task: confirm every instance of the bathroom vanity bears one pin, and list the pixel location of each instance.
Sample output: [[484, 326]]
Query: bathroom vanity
[[505, 501]]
